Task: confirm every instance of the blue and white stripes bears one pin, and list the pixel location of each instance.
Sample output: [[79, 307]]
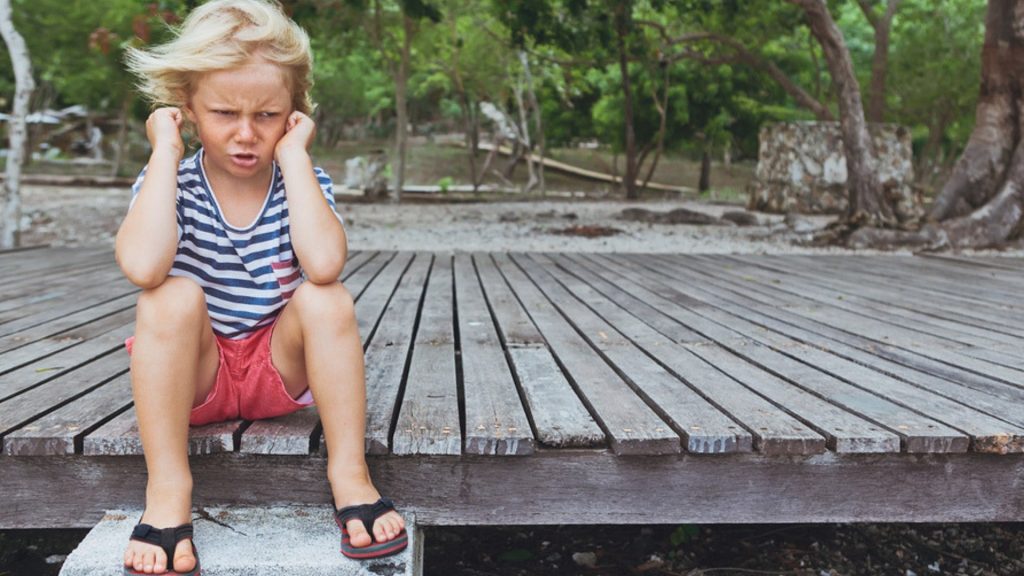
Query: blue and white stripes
[[248, 274]]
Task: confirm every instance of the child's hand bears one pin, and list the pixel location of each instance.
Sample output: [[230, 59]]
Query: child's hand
[[298, 135], [163, 128]]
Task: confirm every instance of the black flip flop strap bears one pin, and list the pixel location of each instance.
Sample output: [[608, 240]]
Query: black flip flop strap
[[367, 513], [165, 538]]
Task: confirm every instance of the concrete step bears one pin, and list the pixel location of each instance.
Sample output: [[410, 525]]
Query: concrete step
[[238, 541]]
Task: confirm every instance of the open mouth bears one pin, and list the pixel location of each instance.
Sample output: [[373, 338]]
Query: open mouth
[[244, 159]]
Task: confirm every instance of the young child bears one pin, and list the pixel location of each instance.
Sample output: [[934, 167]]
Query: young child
[[238, 251]]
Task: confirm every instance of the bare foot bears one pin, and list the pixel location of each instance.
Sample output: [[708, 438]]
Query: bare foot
[[167, 505], [352, 488]]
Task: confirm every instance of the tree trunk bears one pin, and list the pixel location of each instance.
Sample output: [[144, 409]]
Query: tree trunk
[[880, 59], [622, 16], [524, 136], [401, 109], [705, 171], [10, 203], [122, 135], [538, 123], [985, 159], [982, 203], [867, 205]]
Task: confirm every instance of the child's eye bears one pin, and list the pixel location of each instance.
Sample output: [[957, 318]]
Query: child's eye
[[223, 112], [268, 114]]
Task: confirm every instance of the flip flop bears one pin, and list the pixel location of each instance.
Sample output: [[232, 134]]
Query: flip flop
[[368, 514], [167, 539]]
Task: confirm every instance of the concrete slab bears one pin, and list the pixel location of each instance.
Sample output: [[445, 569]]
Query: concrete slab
[[237, 541]]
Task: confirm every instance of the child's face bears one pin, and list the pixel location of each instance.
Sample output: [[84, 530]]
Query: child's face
[[240, 114]]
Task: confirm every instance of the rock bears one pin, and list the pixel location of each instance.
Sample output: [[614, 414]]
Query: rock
[[677, 216], [585, 559], [741, 218], [799, 225], [509, 217], [802, 166]]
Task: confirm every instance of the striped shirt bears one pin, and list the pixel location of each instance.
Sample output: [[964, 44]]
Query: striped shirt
[[247, 274]]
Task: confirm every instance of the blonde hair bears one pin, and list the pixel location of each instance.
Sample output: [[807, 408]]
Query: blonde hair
[[219, 35]]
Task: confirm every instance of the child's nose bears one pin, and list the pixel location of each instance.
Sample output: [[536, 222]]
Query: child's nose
[[246, 131]]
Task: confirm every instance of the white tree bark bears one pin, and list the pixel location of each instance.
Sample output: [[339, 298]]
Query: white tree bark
[[10, 201], [538, 123]]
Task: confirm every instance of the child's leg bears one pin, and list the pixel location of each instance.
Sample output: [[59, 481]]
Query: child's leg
[[173, 367], [316, 344]]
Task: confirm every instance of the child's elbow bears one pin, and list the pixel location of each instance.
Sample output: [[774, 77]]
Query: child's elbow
[[325, 268], [142, 274], [323, 274]]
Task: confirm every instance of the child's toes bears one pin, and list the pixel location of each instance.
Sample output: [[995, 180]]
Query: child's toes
[[358, 535], [144, 562], [380, 531], [184, 560]]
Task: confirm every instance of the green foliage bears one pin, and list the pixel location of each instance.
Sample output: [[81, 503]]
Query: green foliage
[[445, 184], [683, 534], [78, 60], [467, 51], [935, 67]]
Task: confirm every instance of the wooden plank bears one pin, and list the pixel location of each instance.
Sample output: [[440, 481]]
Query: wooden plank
[[27, 287], [630, 424], [24, 281], [987, 433], [941, 283], [375, 297], [741, 488], [62, 324], [61, 431], [844, 432], [50, 260], [22, 409], [772, 430], [893, 360], [428, 418], [918, 434], [496, 423], [560, 420], [1015, 264], [293, 433], [120, 437], [53, 366], [36, 305], [41, 349], [387, 356], [703, 427], [990, 396], [837, 313], [915, 308], [856, 295]]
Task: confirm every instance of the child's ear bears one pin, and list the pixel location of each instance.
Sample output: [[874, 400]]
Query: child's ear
[[189, 114]]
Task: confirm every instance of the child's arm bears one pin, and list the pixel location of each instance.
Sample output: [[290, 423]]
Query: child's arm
[[318, 238], [148, 237]]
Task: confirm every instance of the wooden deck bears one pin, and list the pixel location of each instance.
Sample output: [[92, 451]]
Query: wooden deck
[[570, 388]]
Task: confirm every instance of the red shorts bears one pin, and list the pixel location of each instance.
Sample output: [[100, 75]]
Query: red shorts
[[247, 386]]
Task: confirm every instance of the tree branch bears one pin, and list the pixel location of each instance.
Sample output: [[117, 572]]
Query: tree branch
[[745, 55]]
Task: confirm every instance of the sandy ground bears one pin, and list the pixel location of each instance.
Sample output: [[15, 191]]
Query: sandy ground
[[90, 216]]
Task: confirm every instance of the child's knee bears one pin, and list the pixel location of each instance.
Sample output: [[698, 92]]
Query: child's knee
[[177, 303], [320, 302]]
